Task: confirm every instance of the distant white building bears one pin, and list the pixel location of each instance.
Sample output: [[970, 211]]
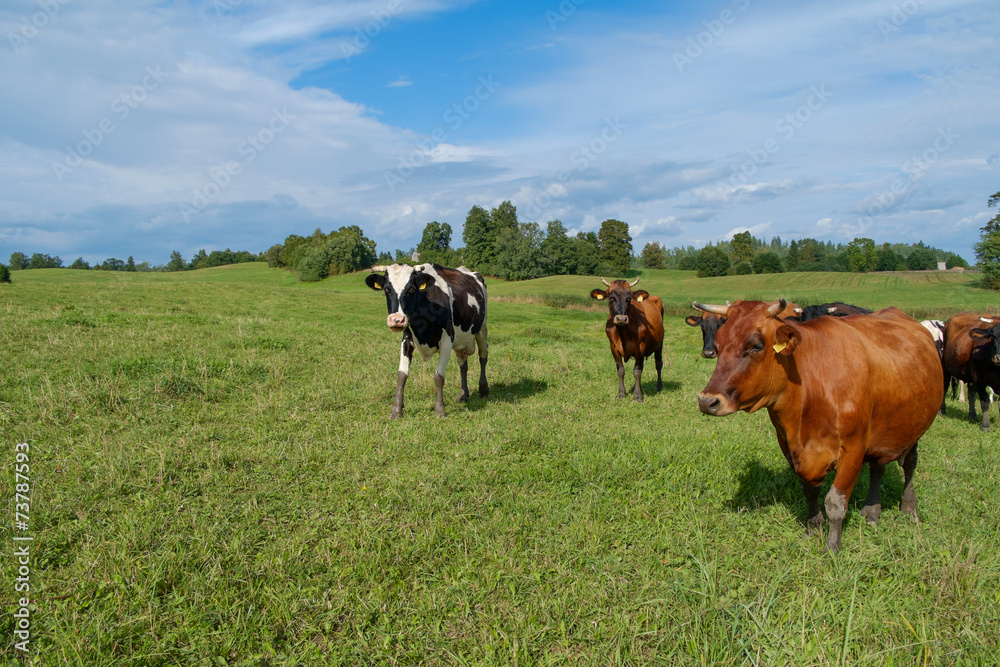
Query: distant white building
[[415, 257], [942, 266]]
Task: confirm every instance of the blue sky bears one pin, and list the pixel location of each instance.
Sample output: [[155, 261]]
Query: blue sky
[[137, 128]]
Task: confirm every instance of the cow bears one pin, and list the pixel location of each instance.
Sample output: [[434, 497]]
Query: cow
[[840, 391], [936, 327], [971, 355], [634, 329], [710, 323], [437, 309], [835, 309]]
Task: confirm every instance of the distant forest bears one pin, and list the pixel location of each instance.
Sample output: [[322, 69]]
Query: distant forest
[[497, 244]]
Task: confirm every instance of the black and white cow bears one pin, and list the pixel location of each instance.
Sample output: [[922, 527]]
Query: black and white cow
[[835, 309], [438, 310], [937, 327]]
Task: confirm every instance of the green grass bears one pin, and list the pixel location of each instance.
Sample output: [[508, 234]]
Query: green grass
[[215, 481]]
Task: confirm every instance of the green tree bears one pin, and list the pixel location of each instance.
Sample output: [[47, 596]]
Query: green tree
[[689, 262], [586, 255], [741, 248], [888, 259], [767, 261], [18, 261], [347, 250], [130, 264], [79, 264], [479, 239], [176, 262], [712, 262], [921, 258], [435, 244], [862, 257], [812, 255], [988, 248], [558, 250], [42, 261], [792, 258], [952, 260], [4, 274], [652, 255], [200, 260], [742, 269], [615, 246], [519, 253]]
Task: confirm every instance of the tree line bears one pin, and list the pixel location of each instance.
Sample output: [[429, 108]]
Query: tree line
[[201, 260]]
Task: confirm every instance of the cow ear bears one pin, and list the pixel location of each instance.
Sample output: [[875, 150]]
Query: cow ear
[[786, 339], [375, 281], [598, 295], [423, 280], [979, 334], [693, 320], [640, 294]]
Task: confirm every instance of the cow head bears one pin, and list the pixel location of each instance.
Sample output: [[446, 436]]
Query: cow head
[[405, 290], [619, 296], [755, 346], [991, 335], [709, 321]]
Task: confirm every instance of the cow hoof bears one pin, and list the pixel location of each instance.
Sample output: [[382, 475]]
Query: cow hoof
[[395, 414], [872, 514], [638, 399], [814, 526], [439, 410], [659, 387], [463, 397], [484, 390]]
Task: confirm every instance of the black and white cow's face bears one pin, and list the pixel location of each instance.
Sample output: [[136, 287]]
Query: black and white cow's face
[[990, 334], [405, 290]]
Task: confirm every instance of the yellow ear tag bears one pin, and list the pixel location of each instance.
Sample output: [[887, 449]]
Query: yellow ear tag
[[377, 285], [778, 347], [423, 286], [600, 297], [639, 298]]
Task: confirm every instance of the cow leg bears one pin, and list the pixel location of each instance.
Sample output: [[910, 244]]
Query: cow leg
[[984, 405], [972, 404], [637, 374], [463, 368], [814, 522], [908, 505], [957, 387], [873, 503], [621, 376], [658, 357], [405, 357], [848, 469], [947, 379], [445, 355], [484, 352]]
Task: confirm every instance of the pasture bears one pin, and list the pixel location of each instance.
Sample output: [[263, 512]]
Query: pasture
[[215, 480]]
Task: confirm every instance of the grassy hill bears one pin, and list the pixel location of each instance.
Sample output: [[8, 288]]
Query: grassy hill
[[214, 480]]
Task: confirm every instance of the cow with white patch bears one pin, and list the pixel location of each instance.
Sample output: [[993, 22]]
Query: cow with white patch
[[438, 310]]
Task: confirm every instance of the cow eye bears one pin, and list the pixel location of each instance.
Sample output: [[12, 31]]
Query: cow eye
[[756, 347]]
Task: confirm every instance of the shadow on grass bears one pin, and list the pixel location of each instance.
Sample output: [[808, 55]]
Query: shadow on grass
[[960, 411], [502, 392], [761, 486]]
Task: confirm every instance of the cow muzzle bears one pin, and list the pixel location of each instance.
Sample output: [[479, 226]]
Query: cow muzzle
[[397, 322], [621, 320], [714, 404], [708, 353]]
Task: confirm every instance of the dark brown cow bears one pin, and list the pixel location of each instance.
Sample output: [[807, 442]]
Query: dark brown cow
[[710, 321], [634, 328], [971, 355], [840, 391]]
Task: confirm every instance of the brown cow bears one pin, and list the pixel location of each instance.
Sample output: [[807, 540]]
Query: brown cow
[[840, 391], [634, 328], [970, 354]]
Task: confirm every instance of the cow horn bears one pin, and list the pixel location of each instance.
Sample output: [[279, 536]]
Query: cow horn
[[798, 310], [776, 308], [605, 281], [380, 267], [832, 309], [710, 308], [988, 321], [633, 284]]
